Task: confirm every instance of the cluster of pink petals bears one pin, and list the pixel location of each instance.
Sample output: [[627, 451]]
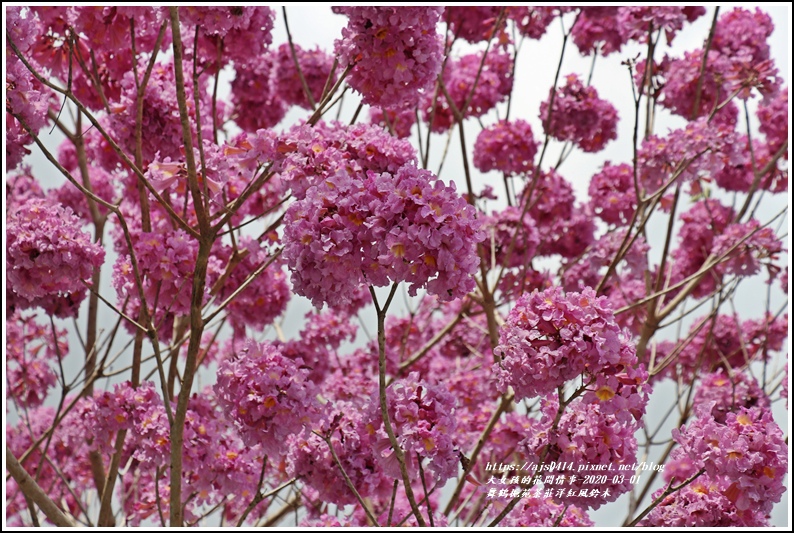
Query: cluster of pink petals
[[612, 195], [637, 23], [589, 268], [708, 231], [161, 125], [268, 395], [30, 347], [306, 156], [473, 23], [310, 459], [108, 28], [512, 239], [395, 53], [25, 97], [702, 503], [551, 337], [532, 21], [773, 120], [319, 340], [728, 393], [565, 228], [494, 82], [49, 257], [166, 261], [507, 146], [597, 30], [315, 66], [700, 150], [744, 246], [580, 116], [583, 435], [241, 32], [725, 342], [545, 513], [398, 120], [423, 418], [68, 448], [377, 229], [264, 298], [255, 99], [747, 448]]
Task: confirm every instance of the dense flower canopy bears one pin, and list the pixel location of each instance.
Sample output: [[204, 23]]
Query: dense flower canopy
[[400, 265]]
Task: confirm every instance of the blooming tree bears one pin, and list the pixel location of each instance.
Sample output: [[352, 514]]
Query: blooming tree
[[561, 343]]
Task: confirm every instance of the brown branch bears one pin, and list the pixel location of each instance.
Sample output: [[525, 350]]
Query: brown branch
[[34, 492]]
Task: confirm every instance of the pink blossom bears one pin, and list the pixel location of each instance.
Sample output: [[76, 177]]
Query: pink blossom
[[315, 66], [748, 449], [580, 116], [268, 396], [398, 121], [494, 78], [395, 53], [473, 23], [385, 228], [422, 415], [48, 257], [612, 194], [597, 30], [30, 348], [550, 338], [507, 147]]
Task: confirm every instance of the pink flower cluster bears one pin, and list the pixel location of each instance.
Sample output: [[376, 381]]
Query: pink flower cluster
[[580, 116], [310, 460], [773, 120], [315, 66], [612, 195], [307, 156], [395, 53], [550, 338], [377, 229], [726, 342], [708, 230], [473, 23], [166, 261], [514, 240], [532, 21], [30, 347], [268, 396], [423, 417], [319, 340], [637, 23], [737, 62], [255, 99], [589, 268], [702, 503], [25, 96], [545, 513], [68, 449], [747, 449], [494, 82], [265, 298], [699, 151], [597, 30], [241, 32], [162, 129], [399, 121], [583, 435], [565, 228], [507, 146], [49, 259], [729, 393]]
